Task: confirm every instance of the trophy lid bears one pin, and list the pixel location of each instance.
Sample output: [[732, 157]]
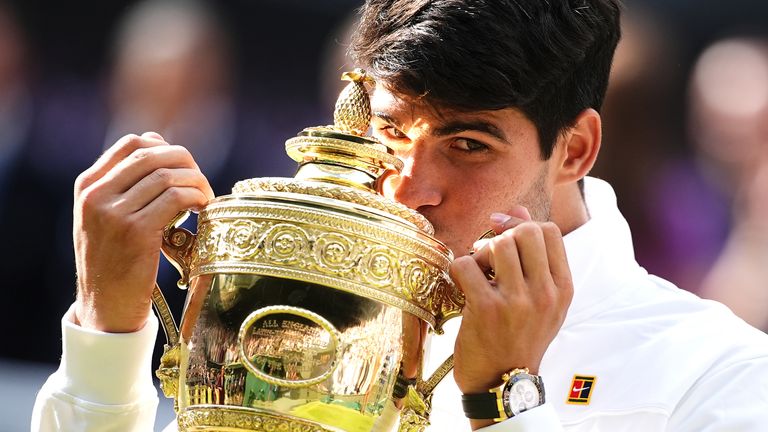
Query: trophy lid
[[329, 225], [340, 161]]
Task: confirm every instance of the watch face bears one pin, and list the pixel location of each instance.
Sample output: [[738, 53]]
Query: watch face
[[520, 395]]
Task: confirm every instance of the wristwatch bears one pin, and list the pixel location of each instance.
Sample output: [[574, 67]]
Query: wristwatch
[[520, 392]]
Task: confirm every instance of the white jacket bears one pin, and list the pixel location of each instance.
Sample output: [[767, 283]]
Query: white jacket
[[642, 354]]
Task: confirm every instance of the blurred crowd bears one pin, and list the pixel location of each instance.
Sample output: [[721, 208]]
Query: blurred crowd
[[685, 133], [686, 148]]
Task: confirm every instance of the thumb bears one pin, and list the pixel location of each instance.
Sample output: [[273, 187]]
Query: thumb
[[513, 217]]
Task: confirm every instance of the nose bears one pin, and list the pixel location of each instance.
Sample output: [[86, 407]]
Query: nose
[[418, 185]]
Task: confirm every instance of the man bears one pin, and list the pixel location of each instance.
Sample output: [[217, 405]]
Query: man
[[493, 106]]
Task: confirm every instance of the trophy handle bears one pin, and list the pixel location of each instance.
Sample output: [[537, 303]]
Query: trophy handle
[[427, 387], [418, 400], [168, 372], [166, 317], [177, 247]]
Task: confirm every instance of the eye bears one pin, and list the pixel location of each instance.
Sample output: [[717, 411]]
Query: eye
[[469, 145], [390, 131]]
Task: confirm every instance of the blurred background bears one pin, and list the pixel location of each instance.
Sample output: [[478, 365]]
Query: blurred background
[[685, 145]]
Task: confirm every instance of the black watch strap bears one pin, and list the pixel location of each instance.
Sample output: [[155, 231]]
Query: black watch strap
[[520, 392], [481, 405]]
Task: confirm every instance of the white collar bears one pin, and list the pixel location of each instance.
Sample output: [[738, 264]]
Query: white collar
[[600, 253]]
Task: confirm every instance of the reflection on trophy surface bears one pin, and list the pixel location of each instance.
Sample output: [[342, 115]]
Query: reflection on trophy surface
[[310, 299]]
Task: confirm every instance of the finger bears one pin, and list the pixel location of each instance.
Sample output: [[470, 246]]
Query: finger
[[141, 163], [157, 136], [532, 251], [119, 151], [153, 185], [466, 274], [481, 254], [505, 260], [556, 255], [165, 207], [484, 256], [479, 244], [519, 211], [480, 250], [501, 222]]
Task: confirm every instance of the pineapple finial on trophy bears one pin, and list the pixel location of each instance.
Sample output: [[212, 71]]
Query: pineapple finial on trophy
[[342, 153], [353, 107]]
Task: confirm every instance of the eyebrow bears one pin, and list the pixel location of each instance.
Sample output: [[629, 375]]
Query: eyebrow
[[387, 118], [455, 127]]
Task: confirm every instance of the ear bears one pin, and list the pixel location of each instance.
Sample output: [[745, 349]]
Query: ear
[[577, 149]]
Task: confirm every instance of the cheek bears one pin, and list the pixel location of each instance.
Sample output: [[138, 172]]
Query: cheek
[[467, 212], [492, 187]]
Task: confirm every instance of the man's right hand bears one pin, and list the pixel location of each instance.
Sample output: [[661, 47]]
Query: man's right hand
[[122, 204]]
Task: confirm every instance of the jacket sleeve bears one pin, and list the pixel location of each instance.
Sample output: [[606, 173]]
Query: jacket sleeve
[[542, 418], [103, 383]]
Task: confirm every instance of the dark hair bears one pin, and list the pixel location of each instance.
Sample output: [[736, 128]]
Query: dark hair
[[549, 58]]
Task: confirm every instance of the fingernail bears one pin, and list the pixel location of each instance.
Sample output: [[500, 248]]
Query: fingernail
[[499, 218]]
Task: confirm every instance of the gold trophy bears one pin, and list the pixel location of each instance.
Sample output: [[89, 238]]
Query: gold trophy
[[310, 298]]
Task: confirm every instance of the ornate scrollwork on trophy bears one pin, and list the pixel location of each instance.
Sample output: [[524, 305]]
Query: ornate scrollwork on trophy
[[241, 239], [419, 280], [336, 253], [285, 243], [326, 248], [379, 265], [233, 419]]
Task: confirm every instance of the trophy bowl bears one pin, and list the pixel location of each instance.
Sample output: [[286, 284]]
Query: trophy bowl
[[310, 298]]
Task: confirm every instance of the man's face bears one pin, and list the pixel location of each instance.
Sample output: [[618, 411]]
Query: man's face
[[460, 167]]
